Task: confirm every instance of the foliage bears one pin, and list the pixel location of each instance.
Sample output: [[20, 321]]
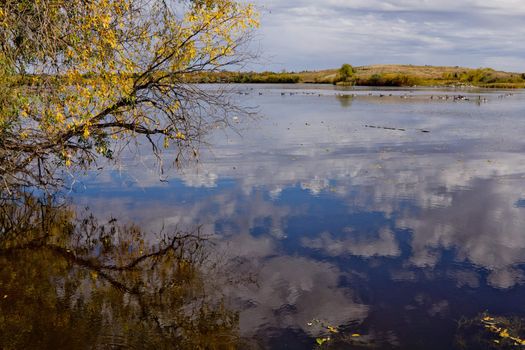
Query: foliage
[[387, 75], [345, 73], [501, 327], [389, 80], [330, 337], [490, 332], [243, 77], [485, 77], [78, 76], [266, 78], [382, 75]]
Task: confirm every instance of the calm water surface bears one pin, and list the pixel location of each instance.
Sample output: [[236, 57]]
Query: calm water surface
[[393, 217]]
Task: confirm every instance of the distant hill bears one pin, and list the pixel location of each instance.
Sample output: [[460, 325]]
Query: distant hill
[[399, 75], [380, 75]]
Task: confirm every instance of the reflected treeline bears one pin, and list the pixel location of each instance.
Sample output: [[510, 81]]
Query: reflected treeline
[[70, 282], [345, 100]]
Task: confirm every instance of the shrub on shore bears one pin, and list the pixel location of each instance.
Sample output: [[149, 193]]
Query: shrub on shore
[[389, 80]]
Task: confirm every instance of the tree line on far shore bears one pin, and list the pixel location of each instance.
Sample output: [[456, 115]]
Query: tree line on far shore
[[389, 75]]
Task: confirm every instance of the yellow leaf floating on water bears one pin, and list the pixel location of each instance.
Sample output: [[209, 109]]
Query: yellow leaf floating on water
[[332, 329], [355, 335], [321, 341], [491, 324]]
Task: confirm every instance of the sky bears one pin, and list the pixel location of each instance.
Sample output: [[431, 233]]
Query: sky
[[298, 35]]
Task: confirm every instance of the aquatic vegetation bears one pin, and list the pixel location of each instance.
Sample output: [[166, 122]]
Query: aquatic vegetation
[[504, 329], [330, 335], [491, 332]]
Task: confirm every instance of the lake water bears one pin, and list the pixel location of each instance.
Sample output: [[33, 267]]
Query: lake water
[[348, 218]]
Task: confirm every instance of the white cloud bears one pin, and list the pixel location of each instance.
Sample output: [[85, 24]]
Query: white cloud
[[294, 291], [385, 245], [313, 34]]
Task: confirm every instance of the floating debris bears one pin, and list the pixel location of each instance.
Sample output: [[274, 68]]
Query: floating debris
[[487, 331], [384, 127]]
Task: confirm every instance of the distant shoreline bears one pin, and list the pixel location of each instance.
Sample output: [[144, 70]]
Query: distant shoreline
[[378, 75]]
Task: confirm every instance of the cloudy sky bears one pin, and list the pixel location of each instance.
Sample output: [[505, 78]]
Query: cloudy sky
[[317, 34]]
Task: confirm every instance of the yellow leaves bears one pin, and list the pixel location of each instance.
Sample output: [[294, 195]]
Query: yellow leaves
[[60, 118], [499, 326], [3, 19], [67, 159], [221, 22], [105, 20], [332, 329], [128, 65], [120, 7], [334, 333], [94, 275], [174, 106], [70, 53], [111, 50], [517, 341], [321, 341], [111, 39], [160, 50], [164, 88]]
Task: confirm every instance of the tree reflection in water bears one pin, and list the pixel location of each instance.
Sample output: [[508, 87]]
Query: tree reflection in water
[[71, 282]]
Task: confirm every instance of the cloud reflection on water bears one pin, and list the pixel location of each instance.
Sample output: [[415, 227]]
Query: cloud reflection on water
[[453, 191]]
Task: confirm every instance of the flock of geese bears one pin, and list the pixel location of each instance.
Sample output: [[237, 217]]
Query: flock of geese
[[455, 98]]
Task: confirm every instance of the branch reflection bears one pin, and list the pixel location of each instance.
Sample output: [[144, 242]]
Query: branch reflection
[[69, 280]]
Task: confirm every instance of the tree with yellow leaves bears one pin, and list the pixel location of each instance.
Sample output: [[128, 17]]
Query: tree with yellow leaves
[[80, 77]]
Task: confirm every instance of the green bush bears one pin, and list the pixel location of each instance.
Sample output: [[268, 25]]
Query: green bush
[[345, 74], [265, 78], [389, 80], [481, 75], [376, 80]]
